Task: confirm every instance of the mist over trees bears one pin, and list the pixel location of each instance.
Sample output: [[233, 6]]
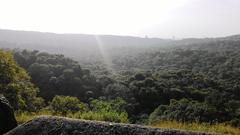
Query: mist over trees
[[147, 80]]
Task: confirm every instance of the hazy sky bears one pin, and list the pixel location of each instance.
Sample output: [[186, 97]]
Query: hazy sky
[[155, 18]]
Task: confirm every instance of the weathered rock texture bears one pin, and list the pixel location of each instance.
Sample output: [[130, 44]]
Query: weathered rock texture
[[7, 119], [47, 125]]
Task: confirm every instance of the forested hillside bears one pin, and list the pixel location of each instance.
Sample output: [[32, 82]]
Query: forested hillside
[[205, 81], [58, 75], [190, 80]]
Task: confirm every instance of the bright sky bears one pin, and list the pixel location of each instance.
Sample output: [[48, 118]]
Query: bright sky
[[155, 18]]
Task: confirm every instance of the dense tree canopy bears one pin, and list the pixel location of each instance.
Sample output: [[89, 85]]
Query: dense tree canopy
[[15, 84], [193, 82], [58, 75]]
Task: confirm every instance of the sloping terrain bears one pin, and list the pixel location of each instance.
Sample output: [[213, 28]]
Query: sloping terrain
[[47, 125]]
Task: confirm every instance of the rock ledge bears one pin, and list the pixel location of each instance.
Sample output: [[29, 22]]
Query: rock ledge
[[49, 125], [7, 119]]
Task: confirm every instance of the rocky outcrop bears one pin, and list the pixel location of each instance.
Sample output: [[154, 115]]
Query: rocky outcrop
[[7, 119], [48, 125]]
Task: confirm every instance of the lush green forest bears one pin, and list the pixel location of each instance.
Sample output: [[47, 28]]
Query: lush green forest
[[195, 82]]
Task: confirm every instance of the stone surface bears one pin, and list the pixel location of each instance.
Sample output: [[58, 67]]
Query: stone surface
[[49, 125], [7, 118]]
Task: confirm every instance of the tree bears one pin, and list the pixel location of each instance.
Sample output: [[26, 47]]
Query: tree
[[16, 86], [58, 75], [184, 110], [110, 110], [64, 104]]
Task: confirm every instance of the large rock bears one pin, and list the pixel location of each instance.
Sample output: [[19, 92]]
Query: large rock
[[48, 125], [7, 119]]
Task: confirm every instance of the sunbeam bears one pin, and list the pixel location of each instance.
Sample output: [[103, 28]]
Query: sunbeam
[[106, 58]]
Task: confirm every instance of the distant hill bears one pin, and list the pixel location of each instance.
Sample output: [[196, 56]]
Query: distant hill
[[78, 46], [82, 46], [51, 41]]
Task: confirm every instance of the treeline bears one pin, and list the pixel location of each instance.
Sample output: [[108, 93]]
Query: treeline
[[27, 98], [191, 83], [58, 75], [16, 86]]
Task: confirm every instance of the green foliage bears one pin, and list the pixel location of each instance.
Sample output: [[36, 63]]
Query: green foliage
[[221, 128], [110, 105], [15, 85], [101, 110], [185, 110], [65, 104], [114, 90], [203, 77], [111, 116], [104, 110], [58, 75]]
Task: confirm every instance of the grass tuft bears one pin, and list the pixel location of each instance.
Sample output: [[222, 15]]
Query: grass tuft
[[202, 127]]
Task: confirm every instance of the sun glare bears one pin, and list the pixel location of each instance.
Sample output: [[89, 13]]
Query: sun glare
[[86, 16]]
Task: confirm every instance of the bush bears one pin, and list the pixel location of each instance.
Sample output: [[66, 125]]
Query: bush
[[117, 105], [16, 86], [111, 110], [235, 122], [111, 116], [184, 110], [64, 104]]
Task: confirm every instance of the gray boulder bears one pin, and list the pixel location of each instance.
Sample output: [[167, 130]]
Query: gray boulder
[[49, 125], [7, 118]]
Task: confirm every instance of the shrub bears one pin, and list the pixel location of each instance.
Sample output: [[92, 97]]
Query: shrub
[[184, 110], [16, 86], [64, 104]]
